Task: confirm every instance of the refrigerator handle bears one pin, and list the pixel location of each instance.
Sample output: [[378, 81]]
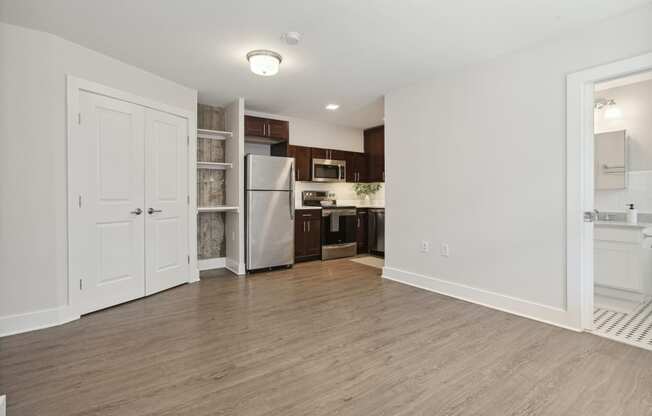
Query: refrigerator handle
[[292, 190]]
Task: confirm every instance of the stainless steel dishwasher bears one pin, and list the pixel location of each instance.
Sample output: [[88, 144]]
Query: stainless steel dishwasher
[[377, 230]]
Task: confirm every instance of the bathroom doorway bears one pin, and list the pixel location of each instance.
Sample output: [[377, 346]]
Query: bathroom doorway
[[622, 271], [609, 200]]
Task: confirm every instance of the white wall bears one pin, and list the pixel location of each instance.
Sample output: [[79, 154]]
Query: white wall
[[319, 134], [476, 159], [33, 273]]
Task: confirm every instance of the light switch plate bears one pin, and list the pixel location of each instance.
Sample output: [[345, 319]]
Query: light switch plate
[[425, 246]]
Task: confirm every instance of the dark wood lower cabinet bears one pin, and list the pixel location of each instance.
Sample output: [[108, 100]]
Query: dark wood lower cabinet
[[362, 231], [307, 235]]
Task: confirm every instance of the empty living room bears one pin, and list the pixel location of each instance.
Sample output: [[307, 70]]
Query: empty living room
[[291, 208]]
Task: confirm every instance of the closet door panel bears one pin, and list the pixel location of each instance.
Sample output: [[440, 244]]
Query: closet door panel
[[108, 233], [166, 192]]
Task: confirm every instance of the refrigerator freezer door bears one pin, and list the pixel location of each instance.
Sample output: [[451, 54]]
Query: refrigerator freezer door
[[269, 173], [270, 229]]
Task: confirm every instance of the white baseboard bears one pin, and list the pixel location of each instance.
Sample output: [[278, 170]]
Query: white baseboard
[[235, 267], [16, 324], [210, 264], [543, 313], [3, 405]]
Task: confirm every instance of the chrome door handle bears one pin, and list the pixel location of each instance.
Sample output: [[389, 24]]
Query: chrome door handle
[[151, 211], [137, 211]]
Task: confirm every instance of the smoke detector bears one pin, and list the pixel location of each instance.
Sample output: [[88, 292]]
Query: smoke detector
[[291, 38]]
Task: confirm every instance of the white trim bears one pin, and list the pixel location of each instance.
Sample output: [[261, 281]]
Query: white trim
[[3, 405], [73, 87], [210, 264], [579, 181], [235, 267], [16, 324], [493, 300]]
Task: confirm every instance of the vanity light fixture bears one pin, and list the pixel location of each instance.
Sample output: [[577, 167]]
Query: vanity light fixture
[[332, 107], [611, 110], [264, 62]]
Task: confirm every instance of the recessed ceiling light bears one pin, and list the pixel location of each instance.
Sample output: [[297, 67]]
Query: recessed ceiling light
[[264, 62], [332, 107]]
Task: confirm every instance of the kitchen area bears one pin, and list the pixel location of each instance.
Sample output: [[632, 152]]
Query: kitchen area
[[309, 203]]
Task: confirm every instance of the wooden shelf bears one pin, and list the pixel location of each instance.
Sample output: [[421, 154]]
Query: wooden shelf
[[213, 134], [214, 165], [218, 209]]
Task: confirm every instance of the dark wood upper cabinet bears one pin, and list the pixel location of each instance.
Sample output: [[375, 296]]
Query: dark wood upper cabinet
[[307, 234], [374, 148], [303, 165], [317, 153], [268, 128], [301, 155], [361, 165]]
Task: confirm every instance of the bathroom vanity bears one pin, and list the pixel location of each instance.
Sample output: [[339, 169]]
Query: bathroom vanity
[[622, 263]]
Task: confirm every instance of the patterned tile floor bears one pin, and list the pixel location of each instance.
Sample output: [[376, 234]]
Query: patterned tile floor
[[631, 328]]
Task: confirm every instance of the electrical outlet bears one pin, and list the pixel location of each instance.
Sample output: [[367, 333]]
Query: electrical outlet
[[425, 246], [445, 250]]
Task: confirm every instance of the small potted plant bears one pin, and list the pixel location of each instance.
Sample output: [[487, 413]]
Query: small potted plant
[[365, 190]]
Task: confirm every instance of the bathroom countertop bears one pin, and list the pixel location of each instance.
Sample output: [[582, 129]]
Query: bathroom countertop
[[622, 224]]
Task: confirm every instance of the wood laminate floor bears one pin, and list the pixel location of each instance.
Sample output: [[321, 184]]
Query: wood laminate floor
[[328, 338]]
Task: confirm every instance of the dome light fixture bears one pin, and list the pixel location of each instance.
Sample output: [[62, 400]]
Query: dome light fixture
[[264, 62]]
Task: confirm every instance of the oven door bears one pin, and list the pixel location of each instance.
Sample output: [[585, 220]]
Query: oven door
[[338, 226], [324, 170]]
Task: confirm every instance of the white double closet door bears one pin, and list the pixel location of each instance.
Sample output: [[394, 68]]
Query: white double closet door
[[133, 213]]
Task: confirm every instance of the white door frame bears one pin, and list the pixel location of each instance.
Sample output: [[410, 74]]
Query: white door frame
[[579, 181], [74, 86]]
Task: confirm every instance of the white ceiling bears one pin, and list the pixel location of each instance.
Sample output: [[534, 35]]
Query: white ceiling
[[352, 51]]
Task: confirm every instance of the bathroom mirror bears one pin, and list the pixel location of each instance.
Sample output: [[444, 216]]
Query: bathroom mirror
[[611, 160]]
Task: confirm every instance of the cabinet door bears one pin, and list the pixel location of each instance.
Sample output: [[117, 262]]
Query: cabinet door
[[374, 147], [313, 237], [299, 237], [317, 153], [362, 230], [255, 126], [362, 167], [348, 157], [278, 129], [301, 155]]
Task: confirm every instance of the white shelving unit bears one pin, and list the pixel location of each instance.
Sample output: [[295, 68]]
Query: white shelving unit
[[218, 262], [213, 134], [214, 165], [218, 209]]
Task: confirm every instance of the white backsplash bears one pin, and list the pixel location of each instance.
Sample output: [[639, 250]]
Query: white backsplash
[[638, 192], [343, 193]]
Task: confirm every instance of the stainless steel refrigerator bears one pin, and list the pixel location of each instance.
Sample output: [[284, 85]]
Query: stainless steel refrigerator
[[269, 206]]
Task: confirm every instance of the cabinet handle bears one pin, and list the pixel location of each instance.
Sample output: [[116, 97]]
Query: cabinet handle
[[304, 226], [308, 225], [358, 222], [298, 173]]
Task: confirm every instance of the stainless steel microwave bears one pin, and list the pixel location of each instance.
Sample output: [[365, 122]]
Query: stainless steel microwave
[[326, 170]]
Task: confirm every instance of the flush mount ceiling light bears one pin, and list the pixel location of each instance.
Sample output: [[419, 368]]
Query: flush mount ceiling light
[[264, 62], [332, 107], [611, 111]]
